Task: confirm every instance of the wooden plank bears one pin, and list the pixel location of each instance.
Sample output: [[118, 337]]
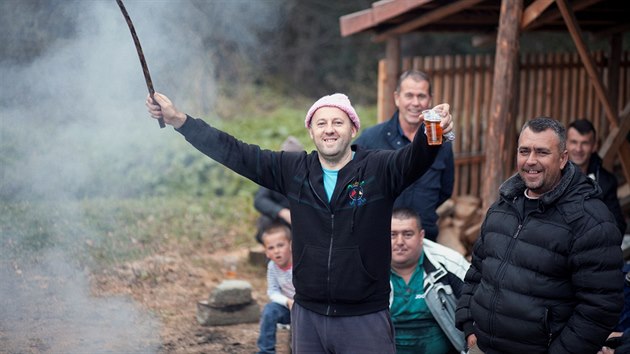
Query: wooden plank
[[406, 64], [575, 79], [381, 11], [548, 89], [502, 95], [387, 9], [456, 72], [418, 64], [566, 85], [438, 79], [532, 12], [470, 158], [530, 109], [581, 104], [476, 122], [436, 15], [381, 114], [556, 92], [540, 86], [553, 14], [578, 39], [392, 53], [355, 22]]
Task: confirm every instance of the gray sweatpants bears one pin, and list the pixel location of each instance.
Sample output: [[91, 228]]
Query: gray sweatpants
[[313, 333]]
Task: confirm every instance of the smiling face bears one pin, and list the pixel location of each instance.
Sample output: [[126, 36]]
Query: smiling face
[[277, 247], [413, 97], [540, 160], [332, 132], [407, 241], [580, 147]]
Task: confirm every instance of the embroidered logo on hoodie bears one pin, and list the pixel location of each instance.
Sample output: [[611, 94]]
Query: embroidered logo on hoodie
[[355, 192]]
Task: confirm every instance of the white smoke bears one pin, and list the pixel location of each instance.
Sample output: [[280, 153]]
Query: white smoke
[[73, 125]]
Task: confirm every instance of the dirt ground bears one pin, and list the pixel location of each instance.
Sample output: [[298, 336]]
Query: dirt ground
[[171, 284]]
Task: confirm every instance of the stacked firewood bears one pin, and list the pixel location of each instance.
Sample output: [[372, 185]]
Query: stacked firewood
[[460, 223]]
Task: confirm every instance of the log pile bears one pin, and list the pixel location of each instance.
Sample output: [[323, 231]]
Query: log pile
[[460, 222]]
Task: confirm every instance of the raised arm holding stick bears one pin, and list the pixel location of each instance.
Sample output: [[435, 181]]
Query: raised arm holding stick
[[143, 62]]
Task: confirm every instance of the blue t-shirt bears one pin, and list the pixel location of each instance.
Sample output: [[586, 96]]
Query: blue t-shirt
[[330, 180]]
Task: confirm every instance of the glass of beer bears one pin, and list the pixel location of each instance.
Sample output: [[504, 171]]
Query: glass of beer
[[433, 128]]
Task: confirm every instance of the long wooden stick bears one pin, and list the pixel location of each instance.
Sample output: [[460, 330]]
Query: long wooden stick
[[143, 62]]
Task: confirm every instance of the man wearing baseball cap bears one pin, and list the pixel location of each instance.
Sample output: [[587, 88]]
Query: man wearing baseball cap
[[341, 198]]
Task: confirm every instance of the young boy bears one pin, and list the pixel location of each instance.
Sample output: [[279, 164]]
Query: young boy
[[277, 242]]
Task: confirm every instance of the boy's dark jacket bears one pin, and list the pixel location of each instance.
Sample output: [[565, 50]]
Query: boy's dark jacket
[[341, 249]]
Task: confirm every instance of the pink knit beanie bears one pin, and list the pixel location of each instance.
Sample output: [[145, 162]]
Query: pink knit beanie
[[338, 100]]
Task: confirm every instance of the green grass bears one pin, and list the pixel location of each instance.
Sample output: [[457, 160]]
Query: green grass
[[101, 233], [139, 205]]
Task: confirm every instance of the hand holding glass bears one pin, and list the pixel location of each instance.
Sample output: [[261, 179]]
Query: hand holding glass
[[433, 128]]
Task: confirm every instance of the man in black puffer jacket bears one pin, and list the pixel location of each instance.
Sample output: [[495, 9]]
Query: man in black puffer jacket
[[341, 198], [546, 270]]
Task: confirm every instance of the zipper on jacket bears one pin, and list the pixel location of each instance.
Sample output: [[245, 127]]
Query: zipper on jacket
[[548, 327], [499, 275], [330, 248], [518, 231]]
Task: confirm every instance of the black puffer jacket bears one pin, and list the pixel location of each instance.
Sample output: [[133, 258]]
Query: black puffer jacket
[[608, 183], [549, 281]]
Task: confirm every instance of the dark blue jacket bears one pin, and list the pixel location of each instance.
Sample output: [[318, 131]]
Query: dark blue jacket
[[341, 248], [428, 192]]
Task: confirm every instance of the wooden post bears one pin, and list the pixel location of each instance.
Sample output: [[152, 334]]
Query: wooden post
[[393, 70], [503, 96], [381, 99]]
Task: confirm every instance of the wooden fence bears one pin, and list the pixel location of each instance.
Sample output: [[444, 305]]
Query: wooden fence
[[554, 85]]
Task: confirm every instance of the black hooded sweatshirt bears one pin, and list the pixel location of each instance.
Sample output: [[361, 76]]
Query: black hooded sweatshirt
[[341, 248]]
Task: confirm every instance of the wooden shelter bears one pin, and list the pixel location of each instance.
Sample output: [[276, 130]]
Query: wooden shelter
[[389, 20]]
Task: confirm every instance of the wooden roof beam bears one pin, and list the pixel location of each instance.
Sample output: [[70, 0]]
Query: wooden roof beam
[[554, 14], [427, 18], [535, 9], [355, 22], [617, 135], [379, 12], [613, 30], [587, 60], [617, 139]]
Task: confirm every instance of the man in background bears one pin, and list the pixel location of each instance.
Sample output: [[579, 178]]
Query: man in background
[[582, 147], [412, 96]]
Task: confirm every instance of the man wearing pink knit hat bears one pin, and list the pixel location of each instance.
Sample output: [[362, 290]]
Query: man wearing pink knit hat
[[341, 198]]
